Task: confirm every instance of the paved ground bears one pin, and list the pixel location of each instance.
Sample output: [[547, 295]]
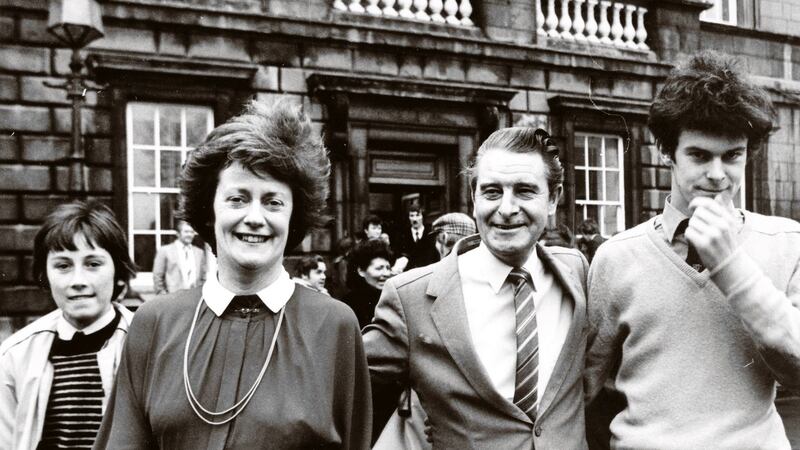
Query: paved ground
[[789, 408]]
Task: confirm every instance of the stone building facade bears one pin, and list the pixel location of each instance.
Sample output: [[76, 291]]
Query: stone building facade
[[403, 102]]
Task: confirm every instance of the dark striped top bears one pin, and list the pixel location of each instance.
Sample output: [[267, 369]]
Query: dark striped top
[[75, 406], [75, 409]]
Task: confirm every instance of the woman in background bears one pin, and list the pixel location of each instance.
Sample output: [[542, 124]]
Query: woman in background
[[56, 373], [250, 360]]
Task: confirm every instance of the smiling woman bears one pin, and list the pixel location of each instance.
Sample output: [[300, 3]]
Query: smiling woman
[[265, 363], [56, 374]]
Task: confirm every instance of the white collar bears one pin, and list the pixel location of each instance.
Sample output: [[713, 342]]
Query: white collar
[[66, 330], [274, 296], [495, 272]]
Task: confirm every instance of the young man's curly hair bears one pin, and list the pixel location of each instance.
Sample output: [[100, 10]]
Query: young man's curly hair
[[710, 93], [274, 139]]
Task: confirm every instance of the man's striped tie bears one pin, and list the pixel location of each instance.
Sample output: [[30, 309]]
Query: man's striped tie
[[525, 392]]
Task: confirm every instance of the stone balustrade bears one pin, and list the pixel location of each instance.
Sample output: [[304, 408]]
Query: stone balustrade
[[599, 22], [451, 12]]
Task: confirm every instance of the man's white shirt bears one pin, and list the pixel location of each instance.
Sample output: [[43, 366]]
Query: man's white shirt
[[489, 302]]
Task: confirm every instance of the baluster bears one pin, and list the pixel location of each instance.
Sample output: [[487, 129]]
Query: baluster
[[405, 9], [388, 8], [616, 26], [577, 22], [565, 23], [466, 10], [436, 10], [373, 8], [604, 28], [630, 30], [540, 19], [339, 4], [421, 6], [355, 6], [591, 23], [552, 19], [451, 9], [641, 31]]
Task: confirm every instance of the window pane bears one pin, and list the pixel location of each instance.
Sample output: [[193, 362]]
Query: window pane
[[595, 148], [144, 251], [612, 186], [595, 185], [610, 223], [143, 174], [170, 125], [170, 168], [591, 212], [143, 124], [144, 217], [579, 149], [167, 239], [169, 205], [196, 126], [612, 153], [580, 185]]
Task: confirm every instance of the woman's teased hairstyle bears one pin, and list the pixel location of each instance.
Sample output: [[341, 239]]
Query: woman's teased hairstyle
[[274, 139], [366, 251], [96, 223], [522, 140], [710, 93]]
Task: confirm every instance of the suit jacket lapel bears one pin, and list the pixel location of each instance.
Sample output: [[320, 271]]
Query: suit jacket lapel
[[449, 315], [566, 358]]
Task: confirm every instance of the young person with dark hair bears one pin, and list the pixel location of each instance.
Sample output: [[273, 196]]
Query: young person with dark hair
[[695, 314], [265, 364], [372, 227], [311, 273], [57, 373]]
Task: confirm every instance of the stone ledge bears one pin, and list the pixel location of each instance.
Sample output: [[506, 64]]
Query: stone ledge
[[111, 66], [320, 83], [579, 102]]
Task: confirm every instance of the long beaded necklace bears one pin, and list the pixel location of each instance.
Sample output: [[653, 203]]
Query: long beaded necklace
[[239, 406]]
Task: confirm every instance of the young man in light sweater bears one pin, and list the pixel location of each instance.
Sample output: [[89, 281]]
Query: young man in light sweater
[[695, 314]]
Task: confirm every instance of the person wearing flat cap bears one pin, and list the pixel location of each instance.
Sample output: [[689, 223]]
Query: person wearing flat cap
[[450, 228]]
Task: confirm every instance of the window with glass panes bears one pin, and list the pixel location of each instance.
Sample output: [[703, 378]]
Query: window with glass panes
[[722, 11], [599, 181], [159, 136]]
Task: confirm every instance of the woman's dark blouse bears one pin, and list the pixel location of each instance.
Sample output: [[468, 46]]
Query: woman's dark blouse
[[315, 393]]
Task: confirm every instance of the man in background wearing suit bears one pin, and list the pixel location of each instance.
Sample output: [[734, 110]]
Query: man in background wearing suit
[[417, 243], [492, 336], [179, 265]]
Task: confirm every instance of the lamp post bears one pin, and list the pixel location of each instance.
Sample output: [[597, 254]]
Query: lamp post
[[75, 23]]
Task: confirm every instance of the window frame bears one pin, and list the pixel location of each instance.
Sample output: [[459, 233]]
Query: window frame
[[714, 13], [144, 280], [581, 205]]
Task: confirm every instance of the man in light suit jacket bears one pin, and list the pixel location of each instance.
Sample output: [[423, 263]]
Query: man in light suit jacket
[[179, 265], [495, 354]]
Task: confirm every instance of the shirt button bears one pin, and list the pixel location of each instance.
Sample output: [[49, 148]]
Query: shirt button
[[538, 431]]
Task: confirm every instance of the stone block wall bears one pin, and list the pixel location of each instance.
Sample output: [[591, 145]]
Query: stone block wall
[[35, 127], [776, 186]]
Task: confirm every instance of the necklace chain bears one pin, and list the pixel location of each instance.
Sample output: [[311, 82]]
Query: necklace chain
[[239, 406]]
